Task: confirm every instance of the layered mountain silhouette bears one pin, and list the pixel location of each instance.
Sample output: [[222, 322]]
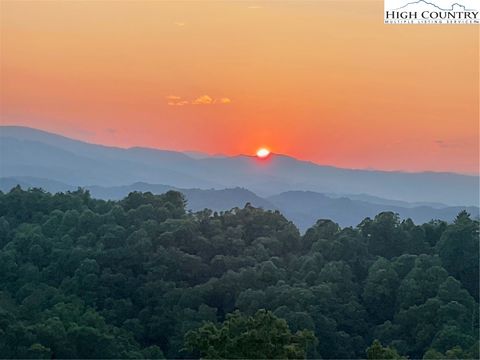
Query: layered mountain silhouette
[[304, 208], [302, 191], [27, 152]]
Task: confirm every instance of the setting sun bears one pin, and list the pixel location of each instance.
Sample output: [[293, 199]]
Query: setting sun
[[263, 153]]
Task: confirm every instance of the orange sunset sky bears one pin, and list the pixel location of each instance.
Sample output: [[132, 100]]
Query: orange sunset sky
[[324, 81]]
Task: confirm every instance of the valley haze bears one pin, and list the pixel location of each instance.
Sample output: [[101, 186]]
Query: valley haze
[[302, 191]]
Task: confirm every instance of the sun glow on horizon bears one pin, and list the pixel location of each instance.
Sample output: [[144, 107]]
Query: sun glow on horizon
[[341, 99], [262, 153]]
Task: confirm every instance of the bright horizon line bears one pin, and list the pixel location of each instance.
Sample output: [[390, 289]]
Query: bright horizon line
[[213, 155]]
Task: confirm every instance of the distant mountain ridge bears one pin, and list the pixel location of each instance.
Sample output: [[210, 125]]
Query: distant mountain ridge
[[26, 152], [303, 208], [197, 199]]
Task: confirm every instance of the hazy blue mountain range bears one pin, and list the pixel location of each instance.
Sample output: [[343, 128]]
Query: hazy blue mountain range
[[197, 199], [26, 152], [382, 201], [304, 208]]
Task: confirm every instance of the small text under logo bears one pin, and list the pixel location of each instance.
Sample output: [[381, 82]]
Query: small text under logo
[[432, 12]]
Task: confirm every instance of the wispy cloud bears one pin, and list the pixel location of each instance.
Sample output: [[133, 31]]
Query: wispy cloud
[[174, 100], [180, 23], [442, 143], [203, 100], [254, 7], [177, 103], [457, 143], [447, 144]]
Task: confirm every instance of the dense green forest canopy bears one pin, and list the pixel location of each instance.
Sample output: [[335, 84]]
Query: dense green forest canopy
[[142, 278]]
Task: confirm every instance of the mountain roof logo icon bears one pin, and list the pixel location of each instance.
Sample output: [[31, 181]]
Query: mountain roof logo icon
[[452, 7]]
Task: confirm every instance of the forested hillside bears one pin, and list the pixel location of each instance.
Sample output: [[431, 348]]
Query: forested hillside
[[142, 278]]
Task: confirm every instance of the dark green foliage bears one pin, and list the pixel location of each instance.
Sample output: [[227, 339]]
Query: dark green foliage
[[377, 351], [86, 278], [262, 336], [458, 249]]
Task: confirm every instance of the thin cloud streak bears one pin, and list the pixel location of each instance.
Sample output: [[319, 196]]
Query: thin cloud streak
[[174, 100]]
